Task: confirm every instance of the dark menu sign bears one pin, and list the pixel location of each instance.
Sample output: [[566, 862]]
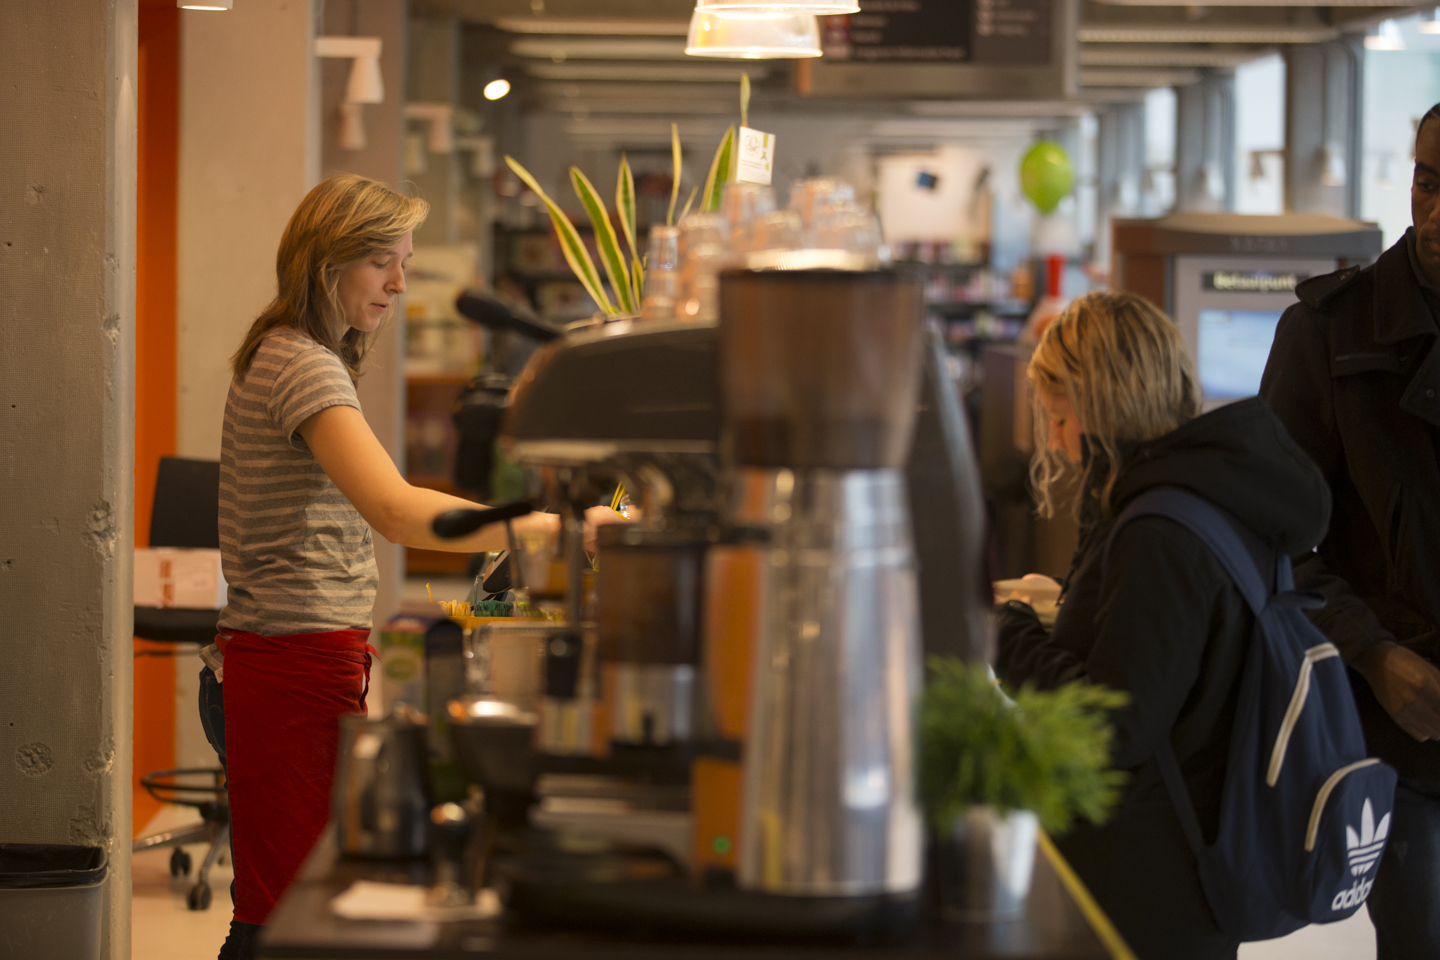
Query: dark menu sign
[[981, 32]]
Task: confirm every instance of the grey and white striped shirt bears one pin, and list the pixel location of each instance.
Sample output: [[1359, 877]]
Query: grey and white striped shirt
[[297, 555]]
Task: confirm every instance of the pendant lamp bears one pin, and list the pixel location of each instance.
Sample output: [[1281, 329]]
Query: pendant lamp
[[1386, 37], [819, 8], [1431, 24], [752, 35]]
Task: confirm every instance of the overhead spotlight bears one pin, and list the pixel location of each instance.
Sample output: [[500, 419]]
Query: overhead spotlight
[[1430, 25], [817, 8], [1386, 37], [496, 89], [751, 35], [204, 4], [365, 84]]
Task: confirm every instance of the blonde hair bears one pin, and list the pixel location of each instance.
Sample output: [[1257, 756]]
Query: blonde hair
[[345, 218], [1122, 365]]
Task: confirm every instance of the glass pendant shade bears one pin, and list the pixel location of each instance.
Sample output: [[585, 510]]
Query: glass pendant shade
[[366, 84], [749, 35], [1386, 37], [819, 8], [1431, 24]]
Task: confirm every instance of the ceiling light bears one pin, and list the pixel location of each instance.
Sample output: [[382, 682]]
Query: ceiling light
[[1431, 25], [204, 4], [812, 7], [496, 89], [1386, 37], [749, 35], [365, 84]]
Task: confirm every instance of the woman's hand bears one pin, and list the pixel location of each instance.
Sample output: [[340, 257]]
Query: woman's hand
[[1032, 587]]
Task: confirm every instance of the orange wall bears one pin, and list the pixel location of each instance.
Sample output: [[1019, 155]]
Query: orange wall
[[159, 127]]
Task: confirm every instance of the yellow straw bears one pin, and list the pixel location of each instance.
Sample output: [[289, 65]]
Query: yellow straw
[[429, 594], [619, 495]]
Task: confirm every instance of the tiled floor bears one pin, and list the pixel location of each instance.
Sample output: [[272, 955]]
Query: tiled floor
[[161, 926]]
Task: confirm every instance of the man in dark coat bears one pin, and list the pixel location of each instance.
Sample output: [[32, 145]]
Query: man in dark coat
[[1355, 376]]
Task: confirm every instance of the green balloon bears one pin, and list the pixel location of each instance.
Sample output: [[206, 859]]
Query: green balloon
[[1046, 175]]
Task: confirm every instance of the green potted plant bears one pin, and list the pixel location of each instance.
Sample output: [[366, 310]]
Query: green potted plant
[[993, 770]]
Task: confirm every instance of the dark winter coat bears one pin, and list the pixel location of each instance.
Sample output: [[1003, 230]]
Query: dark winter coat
[[1355, 376], [1165, 624]]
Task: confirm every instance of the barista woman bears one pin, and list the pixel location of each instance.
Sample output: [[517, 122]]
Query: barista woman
[[303, 482], [1118, 408]]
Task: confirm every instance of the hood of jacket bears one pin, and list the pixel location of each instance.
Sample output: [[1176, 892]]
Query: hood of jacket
[[1240, 458]]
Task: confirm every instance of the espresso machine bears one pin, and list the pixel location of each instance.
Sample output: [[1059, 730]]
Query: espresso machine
[[811, 528]]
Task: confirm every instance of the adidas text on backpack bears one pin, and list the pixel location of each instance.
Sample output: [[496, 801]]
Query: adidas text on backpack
[[1298, 841]]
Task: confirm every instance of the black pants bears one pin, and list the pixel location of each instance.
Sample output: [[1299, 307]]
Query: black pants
[[243, 941], [1405, 903]]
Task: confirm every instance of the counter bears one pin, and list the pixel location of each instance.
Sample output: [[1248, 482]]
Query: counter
[[1060, 923]]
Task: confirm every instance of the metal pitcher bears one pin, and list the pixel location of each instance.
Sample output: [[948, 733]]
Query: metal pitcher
[[381, 803]]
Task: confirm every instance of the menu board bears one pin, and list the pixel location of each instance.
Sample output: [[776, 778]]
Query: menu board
[[941, 31], [951, 49]]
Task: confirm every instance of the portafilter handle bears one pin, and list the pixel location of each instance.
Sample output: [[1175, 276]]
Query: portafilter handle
[[458, 523]]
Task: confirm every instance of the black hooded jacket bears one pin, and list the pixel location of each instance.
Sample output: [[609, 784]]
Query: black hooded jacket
[[1355, 376], [1164, 623]]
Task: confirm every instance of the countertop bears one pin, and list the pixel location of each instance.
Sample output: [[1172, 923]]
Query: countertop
[[1060, 923]]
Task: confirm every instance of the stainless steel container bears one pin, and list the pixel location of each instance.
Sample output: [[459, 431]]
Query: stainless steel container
[[985, 863], [381, 804], [828, 806]]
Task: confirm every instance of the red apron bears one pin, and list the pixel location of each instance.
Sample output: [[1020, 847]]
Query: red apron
[[284, 697]]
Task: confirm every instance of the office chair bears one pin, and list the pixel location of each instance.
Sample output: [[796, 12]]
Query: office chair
[[186, 514]]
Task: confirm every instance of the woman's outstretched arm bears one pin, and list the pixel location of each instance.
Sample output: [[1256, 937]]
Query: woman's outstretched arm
[[351, 455]]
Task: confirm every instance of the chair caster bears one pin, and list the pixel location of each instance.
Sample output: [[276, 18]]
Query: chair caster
[[198, 898], [180, 863]]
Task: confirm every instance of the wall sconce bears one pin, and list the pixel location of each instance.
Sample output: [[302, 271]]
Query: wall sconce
[[1332, 165], [204, 4], [438, 115], [1257, 161], [1387, 36], [482, 161], [366, 85]]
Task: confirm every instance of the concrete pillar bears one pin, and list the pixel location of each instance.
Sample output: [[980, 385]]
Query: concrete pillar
[[1205, 144], [382, 388], [249, 152], [67, 400], [1323, 128], [434, 77]]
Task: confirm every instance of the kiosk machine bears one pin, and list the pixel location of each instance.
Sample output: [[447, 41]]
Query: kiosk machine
[[1226, 278]]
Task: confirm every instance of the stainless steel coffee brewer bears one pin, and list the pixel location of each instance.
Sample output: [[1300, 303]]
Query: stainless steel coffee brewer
[[762, 626], [819, 375]]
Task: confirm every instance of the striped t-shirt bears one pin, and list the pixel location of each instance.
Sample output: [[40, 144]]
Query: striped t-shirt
[[297, 555]]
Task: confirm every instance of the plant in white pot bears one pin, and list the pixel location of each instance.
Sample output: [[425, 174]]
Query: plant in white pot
[[992, 771]]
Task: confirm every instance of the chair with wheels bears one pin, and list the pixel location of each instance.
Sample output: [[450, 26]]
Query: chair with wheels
[[186, 514]]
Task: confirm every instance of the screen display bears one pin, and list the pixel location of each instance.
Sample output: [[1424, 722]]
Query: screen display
[[1234, 345]]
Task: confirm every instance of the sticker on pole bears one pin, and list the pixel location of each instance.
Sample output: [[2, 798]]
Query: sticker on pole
[[757, 156]]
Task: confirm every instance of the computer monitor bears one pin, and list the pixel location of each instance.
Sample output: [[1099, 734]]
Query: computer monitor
[[1234, 346]]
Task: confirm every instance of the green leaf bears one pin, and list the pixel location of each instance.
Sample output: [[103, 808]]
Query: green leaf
[[1046, 751], [719, 173], [570, 243], [744, 99], [675, 173], [625, 203], [605, 240], [637, 274], [693, 191]]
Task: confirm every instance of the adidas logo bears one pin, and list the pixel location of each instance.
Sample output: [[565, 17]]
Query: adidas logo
[[1364, 849]]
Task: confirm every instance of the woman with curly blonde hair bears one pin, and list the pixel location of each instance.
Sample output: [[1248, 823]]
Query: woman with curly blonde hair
[[1118, 410]]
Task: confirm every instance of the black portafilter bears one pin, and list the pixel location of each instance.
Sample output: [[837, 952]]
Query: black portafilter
[[458, 523], [493, 313]]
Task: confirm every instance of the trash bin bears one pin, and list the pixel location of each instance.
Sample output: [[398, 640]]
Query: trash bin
[[50, 901]]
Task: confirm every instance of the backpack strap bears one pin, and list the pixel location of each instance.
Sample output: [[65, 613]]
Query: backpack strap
[[1180, 797], [1210, 525]]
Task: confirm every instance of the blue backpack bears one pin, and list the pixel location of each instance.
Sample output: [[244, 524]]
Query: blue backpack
[[1304, 812]]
